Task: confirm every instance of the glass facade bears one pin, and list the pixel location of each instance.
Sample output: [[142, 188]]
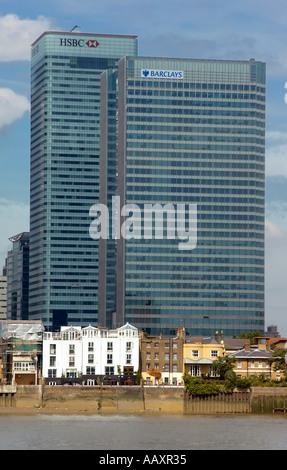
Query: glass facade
[[193, 132], [18, 278], [65, 115]]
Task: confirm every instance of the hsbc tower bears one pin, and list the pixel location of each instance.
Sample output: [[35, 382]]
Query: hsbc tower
[[64, 168]]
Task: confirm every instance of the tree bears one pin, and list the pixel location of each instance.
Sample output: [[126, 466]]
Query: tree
[[278, 360], [249, 335], [139, 377], [222, 366]]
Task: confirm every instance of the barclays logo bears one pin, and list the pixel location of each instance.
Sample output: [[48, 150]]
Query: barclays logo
[[173, 74]]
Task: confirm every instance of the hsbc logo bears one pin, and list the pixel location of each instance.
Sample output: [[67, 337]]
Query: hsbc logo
[[92, 43]]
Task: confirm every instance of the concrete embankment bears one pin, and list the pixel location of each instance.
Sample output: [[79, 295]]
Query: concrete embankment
[[133, 400]]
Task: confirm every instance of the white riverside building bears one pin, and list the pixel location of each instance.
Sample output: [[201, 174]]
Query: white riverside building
[[77, 351]]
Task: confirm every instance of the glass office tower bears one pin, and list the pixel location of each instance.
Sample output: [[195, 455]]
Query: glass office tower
[[192, 133], [18, 277], [65, 115]]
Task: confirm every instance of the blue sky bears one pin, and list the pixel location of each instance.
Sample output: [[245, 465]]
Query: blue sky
[[187, 28]]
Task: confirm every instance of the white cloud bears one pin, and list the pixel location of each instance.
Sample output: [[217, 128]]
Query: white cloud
[[17, 35], [12, 106], [272, 231], [14, 219]]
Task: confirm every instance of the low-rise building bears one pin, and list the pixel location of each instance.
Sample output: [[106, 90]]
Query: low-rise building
[[161, 359], [254, 360], [21, 351], [90, 351], [199, 353]]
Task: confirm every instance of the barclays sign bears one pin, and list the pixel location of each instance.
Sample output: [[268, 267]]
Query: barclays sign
[[151, 73]]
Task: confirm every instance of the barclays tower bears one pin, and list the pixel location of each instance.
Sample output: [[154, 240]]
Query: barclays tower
[[186, 133]]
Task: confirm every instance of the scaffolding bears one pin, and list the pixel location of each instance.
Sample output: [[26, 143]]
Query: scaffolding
[[21, 351]]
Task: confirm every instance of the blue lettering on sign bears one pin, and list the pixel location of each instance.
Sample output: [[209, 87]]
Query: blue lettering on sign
[[162, 74]]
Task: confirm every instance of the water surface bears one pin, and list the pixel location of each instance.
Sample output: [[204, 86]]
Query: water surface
[[114, 432]]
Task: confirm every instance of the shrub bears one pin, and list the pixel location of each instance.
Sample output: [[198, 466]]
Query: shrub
[[243, 382]]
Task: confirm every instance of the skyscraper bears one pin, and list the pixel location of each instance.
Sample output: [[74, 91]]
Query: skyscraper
[[189, 133], [18, 277], [65, 115]]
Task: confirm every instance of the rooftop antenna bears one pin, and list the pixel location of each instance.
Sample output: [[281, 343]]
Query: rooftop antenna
[[74, 28]]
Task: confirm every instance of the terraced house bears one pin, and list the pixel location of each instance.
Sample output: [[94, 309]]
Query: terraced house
[[91, 352]]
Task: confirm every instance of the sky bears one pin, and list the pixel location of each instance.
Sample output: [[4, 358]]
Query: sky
[[207, 29]]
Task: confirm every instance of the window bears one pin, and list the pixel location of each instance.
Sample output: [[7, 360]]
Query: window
[[214, 353], [156, 355], [71, 349], [128, 346], [90, 370], [195, 353], [174, 345], [71, 373], [110, 346], [129, 359], [52, 349], [194, 371], [148, 345], [148, 356], [156, 345], [90, 358], [109, 370], [174, 368], [239, 364], [166, 367], [24, 366], [166, 356], [109, 358], [174, 357], [90, 347], [52, 373], [166, 345], [71, 361], [52, 361]]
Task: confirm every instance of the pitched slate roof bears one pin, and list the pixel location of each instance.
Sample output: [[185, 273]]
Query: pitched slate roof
[[252, 354]]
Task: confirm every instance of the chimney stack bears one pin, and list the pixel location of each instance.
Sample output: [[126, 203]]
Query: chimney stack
[[181, 333]]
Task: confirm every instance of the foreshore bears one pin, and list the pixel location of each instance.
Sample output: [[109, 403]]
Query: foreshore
[[136, 400]]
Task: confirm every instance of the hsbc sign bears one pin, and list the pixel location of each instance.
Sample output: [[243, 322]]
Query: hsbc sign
[[92, 43]]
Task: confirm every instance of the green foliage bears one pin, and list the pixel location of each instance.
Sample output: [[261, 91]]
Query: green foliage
[[249, 335], [278, 360], [198, 386], [222, 366], [139, 377], [243, 382]]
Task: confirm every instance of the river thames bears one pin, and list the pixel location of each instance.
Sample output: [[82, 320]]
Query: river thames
[[156, 433]]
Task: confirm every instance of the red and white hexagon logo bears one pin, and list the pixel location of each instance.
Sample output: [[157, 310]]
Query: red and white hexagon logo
[[92, 43]]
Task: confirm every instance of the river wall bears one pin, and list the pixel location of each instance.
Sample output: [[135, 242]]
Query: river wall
[[132, 400]]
